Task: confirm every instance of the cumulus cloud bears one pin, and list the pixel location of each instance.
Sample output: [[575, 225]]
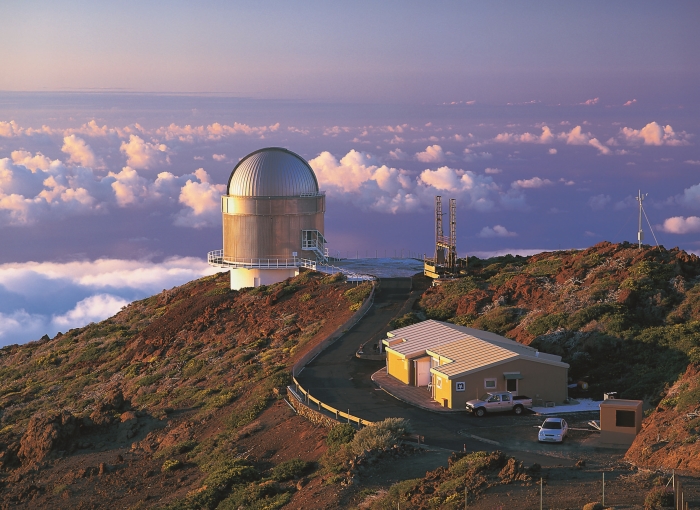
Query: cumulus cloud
[[630, 102], [552, 151], [362, 180], [143, 155], [81, 291], [496, 231], [129, 187], [46, 189], [34, 188], [470, 155], [202, 200], [431, 154], [215, 131], [398, 155], [681, 225], [535, 182], [370, 184], [33, 162], [493, 171], [598, 202], [692, 161], [91, 309], [591, 102], [577, 137], [654, 134], [78, 151], [545, 137], [10, 129], [219, 157]]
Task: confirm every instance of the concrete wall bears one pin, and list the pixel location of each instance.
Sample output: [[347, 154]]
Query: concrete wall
[[540, 381], [242, 277], [260, 227], [610, 433], [399, 367]]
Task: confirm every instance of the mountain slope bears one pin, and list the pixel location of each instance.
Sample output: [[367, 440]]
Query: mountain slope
[[153, 403]]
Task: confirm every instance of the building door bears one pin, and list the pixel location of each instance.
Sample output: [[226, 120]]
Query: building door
[[256, 282], [422, 372], [512, 385]]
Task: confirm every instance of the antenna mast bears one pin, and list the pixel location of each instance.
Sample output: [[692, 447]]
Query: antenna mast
[[640, 233]]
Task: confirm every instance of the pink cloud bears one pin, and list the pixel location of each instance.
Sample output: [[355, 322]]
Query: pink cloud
[[681, 225], [654, 134]]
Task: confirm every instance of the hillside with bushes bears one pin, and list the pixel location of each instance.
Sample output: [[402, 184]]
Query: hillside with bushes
[[626, 320], [156, 406]]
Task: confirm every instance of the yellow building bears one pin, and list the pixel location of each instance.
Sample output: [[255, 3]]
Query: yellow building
[[456, 364]]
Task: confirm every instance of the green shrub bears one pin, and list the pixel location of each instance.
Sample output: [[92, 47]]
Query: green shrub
[[546, 323], [222, 399], [694, 355], [688, 399], [193, 367], [342, 433], [176, 449], [398, 493], [305, 297], [171, 465], [381, 436], [474, 461], [333, 278], [147, 380], [294, 468], [267, 495], [336, 460], [499, 320], [404, 320], [658, 498], [358, 293], [252, 407]]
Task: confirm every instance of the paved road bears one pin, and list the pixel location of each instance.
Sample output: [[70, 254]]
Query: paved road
[[341, 380]]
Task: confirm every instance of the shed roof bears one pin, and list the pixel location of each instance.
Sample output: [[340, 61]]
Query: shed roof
[[468, 349], [470, 354], [618, 402], [426, 334]]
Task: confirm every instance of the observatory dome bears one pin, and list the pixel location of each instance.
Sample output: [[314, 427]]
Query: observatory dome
[[272, 172]]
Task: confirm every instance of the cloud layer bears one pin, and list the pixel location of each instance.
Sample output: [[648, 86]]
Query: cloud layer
[[44, 298]]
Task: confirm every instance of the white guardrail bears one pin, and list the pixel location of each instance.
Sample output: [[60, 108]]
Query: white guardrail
[[216, 258]]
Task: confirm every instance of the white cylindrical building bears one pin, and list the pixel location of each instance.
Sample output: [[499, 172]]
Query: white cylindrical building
[[272, 219]]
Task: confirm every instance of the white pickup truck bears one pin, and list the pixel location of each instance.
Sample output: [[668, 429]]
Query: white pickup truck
[[499, 402]]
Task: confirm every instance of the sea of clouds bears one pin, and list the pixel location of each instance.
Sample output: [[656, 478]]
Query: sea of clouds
[[521, 183]]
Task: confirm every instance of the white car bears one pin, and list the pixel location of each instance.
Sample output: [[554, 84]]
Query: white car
[[553, 430]]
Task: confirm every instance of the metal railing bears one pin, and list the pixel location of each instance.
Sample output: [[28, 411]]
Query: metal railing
[[216, 258], [306, 398]]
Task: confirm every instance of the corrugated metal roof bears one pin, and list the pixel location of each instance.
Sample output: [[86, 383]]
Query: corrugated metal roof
[[470, 354], [468, 348], [431, 333], [272, 172]]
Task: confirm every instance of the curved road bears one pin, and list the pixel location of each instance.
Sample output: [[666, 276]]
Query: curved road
[[341, 380]]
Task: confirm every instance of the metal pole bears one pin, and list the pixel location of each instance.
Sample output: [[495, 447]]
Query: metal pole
[[466, 498], [603, 489], [540, 493]]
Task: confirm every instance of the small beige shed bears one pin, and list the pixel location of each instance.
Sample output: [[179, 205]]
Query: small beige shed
[[620, 421]]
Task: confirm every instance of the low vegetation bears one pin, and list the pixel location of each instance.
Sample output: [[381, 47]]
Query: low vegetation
[[185, 358], [626, 320]]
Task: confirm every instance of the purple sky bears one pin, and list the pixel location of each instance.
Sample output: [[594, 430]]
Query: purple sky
[[542, 119]]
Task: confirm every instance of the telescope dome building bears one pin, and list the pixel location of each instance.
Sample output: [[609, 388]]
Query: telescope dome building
[[273, 216]]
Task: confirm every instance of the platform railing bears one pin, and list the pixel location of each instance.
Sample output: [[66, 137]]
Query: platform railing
[[216, 258]]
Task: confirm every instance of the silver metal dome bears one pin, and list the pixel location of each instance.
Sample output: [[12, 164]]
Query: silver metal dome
[[272, 172]]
